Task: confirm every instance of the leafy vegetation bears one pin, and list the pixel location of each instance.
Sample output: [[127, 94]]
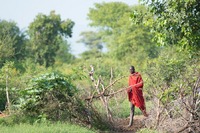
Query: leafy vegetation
[[175, 22], [45, 127], [46, 84], [12, 42], [46, 33]]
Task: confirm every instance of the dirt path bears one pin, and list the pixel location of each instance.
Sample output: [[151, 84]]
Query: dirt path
[[2, 115], [120, 125]]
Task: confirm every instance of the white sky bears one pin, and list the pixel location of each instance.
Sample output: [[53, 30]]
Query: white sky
[[23, 13]]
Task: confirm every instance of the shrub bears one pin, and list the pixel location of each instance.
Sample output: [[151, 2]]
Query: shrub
[[52, 96], [48, 94]]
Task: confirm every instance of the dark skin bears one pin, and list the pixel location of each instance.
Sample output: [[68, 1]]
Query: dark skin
[[132, 107], [132, 70]]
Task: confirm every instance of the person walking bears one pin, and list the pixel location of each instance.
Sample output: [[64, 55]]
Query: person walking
[[135, 94]]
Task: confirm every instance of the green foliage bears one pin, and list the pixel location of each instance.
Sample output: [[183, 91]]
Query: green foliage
[[92, 40], [170, 71], [52, 96], [63, 55], [105, 15], [91, 54], [8, 78], [46, 33], [57, 127], [121, 37], [56, 96], [146, 130], [21, 123], [174, 22], [2, 99], [47, 93], [123, 109], [15, 119], [12, 42], [162, 71]]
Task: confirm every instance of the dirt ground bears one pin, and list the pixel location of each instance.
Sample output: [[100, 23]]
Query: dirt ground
[[2, 115], [121, 125]]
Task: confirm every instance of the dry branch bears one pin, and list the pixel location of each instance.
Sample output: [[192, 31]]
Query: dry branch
[[110, 94], [105, 88]]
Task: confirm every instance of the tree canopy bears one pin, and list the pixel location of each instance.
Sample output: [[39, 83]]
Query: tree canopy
[[174, 22], [12, 42], [46, 33], [117, 32]]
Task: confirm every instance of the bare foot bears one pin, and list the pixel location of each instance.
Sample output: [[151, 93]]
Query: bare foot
[[145, 113], [129, 125]]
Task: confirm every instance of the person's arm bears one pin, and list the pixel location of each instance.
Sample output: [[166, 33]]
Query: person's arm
[[139, 82], [129, 89]]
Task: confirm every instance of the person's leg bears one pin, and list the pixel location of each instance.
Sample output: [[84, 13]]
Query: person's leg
[[143, 109], [131, 114]]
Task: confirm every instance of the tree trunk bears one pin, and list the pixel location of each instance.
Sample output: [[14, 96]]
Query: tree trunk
[[7, 94]]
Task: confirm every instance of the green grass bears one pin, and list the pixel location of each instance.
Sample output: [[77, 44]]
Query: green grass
[[145, 130], [44, 128], [123, 110]]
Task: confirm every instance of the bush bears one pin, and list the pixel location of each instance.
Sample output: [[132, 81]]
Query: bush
[[52, 96], [48, 94]]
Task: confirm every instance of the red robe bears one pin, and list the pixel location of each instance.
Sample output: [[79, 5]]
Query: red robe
[[135, 95]]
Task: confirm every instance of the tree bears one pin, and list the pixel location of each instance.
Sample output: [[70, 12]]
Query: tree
[[121, 37], [12, 42], [91, 54], [8, 75], [174, 75], [174, 22], [92, 40], [46, 33], [63, 55], [105, 15]]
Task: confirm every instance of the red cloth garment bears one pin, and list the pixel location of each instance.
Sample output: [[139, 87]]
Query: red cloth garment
[[135, 95]]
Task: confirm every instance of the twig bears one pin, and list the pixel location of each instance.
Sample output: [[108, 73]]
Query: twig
[[114, 82], [110, 94], [182, 129], [103, 92]]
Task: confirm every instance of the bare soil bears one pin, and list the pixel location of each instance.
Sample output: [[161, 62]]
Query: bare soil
[[2, 115], [121, 125]]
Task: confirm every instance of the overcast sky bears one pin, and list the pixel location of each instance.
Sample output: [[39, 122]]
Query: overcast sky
[[23, 13]]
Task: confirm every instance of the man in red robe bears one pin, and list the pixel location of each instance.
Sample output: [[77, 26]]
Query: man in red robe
[[135, 94]]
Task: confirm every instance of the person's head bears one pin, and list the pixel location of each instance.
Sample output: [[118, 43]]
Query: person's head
[[132, 69]]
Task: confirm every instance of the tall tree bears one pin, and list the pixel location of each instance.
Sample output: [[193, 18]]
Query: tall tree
[[174, 22], [63, 55], [92, 40], [12, 42], [46, 33], [121, 37]]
